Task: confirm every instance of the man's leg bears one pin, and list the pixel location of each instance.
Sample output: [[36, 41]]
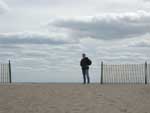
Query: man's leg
[[87, 74], [84, 74]]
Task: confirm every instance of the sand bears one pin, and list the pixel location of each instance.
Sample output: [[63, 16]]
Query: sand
[[74, 98]]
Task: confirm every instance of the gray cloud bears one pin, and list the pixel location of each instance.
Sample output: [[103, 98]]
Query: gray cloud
[[141, 44], [43, 3], [146, 0], [33, 38], [107, 26]]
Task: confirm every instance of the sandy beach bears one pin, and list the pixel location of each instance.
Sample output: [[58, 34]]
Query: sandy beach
[[74, 98]]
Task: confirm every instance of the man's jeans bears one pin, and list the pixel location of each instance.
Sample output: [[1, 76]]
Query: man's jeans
[[85, 73]]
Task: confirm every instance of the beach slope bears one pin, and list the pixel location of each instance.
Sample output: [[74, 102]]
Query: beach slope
[[74, 98]]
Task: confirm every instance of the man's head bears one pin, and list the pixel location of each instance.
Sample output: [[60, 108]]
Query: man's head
[[83, 55]]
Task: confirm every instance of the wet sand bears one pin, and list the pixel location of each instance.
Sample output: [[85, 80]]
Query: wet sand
[[74, 98]]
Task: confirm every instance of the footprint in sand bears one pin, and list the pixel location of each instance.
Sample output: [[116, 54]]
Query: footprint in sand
[[124, 110]]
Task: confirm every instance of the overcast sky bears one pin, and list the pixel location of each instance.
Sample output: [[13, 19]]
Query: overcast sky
[[44, 39]]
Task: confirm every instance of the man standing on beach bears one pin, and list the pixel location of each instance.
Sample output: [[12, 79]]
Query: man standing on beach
[[84, 63]]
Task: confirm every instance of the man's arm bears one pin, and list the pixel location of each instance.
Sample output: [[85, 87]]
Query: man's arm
[[81, 63]]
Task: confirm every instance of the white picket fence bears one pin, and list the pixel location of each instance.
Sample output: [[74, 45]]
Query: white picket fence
[[125, 73], [5, 73]]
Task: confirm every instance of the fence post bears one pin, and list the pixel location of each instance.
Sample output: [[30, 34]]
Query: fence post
[[145, 72], [101, 73], [10, 72]]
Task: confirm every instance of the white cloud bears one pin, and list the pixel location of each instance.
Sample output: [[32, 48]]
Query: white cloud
[[3, 7], [106, 26], [142, 42]]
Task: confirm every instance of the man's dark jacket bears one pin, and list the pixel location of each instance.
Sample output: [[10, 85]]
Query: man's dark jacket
[[84, 63]]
